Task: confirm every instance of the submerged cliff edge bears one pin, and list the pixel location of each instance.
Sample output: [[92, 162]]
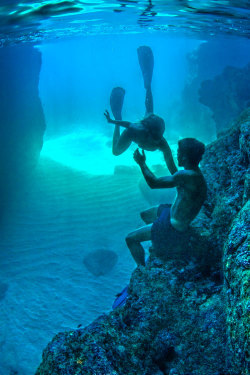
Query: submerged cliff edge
[[189, 315]]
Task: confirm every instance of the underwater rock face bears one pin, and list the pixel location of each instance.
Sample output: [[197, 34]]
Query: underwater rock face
[[179, 317], [225, 166], [100, 262], [227, 95], [158, 329], [237, 276], [22, 119]]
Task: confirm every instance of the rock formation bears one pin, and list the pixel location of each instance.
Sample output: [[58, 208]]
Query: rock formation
[[22, 119], [190, 314], [205, 63], [227, 95]]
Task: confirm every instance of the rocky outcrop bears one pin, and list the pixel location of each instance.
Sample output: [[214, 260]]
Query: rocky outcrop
[[227, 95], [22, 120], [181, 317], [226, 167], [158, 330], [237, 275]]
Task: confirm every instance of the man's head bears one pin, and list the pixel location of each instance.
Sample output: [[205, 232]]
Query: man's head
[[190, 151], [155, 125]]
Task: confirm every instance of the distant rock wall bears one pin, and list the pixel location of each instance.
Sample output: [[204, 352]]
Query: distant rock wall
[[22, 122], [181, 317], [227, 95], [190, 116]]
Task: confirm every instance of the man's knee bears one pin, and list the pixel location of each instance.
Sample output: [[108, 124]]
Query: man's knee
[[130, 239], [149, 215]]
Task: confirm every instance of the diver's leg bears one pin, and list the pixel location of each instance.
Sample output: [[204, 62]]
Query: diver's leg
[[149, 102], [149, 215], [134, 240]]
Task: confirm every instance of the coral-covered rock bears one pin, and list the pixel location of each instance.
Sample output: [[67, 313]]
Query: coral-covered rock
[[225, 167], [237, 276], [149, 334]]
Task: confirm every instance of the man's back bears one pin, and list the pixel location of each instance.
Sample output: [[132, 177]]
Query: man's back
[[191, 194]]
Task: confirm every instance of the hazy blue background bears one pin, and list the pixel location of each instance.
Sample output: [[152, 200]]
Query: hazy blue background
[[78, 75]]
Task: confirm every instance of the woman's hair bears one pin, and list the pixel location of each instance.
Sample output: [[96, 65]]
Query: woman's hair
[[155, 123], [192, 149]]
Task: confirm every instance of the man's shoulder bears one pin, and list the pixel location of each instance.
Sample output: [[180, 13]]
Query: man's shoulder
[[185, 176], [188, 173], [182, 173]]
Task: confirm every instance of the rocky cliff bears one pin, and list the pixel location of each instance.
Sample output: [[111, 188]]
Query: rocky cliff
[[190, 314], [22, 122]]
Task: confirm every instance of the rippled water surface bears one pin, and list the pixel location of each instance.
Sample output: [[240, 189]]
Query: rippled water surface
[[35, 20]]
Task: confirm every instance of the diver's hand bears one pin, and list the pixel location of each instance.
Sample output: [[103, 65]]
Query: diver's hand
[[140, 158], [107, 115]]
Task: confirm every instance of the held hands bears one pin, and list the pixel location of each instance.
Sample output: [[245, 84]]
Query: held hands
[[107, 115], [139, 158]]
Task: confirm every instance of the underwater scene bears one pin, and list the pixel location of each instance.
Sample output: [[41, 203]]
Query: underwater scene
[[124, 195]]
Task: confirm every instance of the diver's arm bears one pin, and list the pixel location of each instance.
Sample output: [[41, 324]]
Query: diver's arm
[[124, 124], [152, 181], [164, 147], [121, 142]]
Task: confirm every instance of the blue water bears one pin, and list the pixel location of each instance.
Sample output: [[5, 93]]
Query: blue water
[[80, 198]]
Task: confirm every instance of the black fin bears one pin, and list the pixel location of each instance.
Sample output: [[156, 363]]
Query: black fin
[[146, 61], [116, 102]]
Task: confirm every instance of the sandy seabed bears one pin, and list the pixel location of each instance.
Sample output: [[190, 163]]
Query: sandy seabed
[[63, 215]]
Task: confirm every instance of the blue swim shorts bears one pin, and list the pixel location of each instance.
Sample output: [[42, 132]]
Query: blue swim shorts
[[165, 238]]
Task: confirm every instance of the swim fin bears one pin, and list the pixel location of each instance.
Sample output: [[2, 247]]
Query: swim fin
[[121, 298], [116, 102], [146, 61]]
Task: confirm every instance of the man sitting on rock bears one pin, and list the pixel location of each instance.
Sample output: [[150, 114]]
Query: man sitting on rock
[[167, 225]]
